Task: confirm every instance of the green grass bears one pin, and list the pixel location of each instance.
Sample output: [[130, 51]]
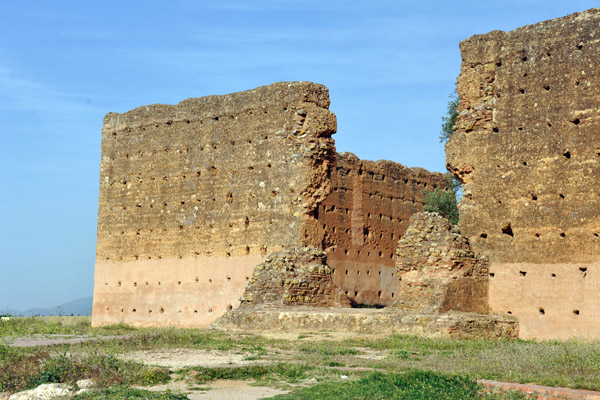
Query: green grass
[[328, 349], [413, 385], [194, 338], [311, 361], [25, 369], [573, 363], [125, 392], [25, 326], [288, 372]]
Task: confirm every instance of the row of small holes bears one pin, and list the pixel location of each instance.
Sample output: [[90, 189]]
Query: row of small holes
[[197, 280], [356, 293], [507, 230], [542, 311], [263, 251], [368, 234], [383, 178], [523, 274], [187, 121], [358, 253], [357, 272], [210, 310], [524, 58], [166, 178]]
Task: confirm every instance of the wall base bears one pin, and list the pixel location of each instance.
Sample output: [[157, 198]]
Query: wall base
[[190, 292], [551, 301], [455, 324]]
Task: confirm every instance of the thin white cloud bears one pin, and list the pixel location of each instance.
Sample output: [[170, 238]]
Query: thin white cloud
[[19, 93]]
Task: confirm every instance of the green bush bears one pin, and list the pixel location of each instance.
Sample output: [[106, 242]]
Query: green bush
[[449, 120], [442, 201]]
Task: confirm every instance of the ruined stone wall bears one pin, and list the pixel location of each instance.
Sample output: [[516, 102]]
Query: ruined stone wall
[[527, 150], [437, 269], [193, 196], [362, 219], [295, 277]]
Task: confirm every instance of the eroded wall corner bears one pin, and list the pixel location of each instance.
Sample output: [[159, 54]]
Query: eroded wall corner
[[526, 149]]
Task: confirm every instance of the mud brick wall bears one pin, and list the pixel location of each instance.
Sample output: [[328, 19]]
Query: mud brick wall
[[437, 269], [194, 195], [362, 219], [294, 277], [527, 148]]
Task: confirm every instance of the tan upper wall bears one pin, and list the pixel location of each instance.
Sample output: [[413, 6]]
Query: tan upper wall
[[527, 144], [220, 175]]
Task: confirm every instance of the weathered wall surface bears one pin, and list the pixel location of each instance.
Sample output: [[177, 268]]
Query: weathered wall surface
[[385, 321], [193, 196], [295, 277], [551, 300], [362, 219], [527, 149], [438, 270]]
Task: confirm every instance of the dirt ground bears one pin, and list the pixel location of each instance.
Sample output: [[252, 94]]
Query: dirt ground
[[220, 390], [48, 340], [181, 358], [185, 357]]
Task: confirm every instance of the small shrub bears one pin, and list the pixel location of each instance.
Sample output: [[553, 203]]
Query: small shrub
[[149, 377], [449, 120], [441, 202]]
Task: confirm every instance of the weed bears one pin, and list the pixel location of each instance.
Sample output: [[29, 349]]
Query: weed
[[334, 364], [328, 349], [406, 355], [24, 326], [281, 371], [412, 385], [126, 392], [24, 371]]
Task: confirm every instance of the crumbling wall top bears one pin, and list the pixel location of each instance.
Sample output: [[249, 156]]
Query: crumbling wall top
[[526, 141], [280, 93]]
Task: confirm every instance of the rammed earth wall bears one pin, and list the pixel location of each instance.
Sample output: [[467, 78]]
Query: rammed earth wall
[[194, 195], [363, 218], [527, 150]]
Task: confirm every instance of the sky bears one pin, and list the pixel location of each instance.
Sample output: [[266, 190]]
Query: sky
[[389, 66]]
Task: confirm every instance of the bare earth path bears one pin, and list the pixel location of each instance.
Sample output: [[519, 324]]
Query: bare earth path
[[217, 390], [220, 390], [48, 340]]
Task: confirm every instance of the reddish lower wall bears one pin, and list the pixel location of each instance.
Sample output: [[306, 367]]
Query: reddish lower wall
[[551, 301], [190, 292], [362, 220]]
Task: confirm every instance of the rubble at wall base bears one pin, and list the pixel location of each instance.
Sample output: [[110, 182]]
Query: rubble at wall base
[[381, 321]]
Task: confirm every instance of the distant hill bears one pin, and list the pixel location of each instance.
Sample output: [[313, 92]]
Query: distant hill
[[73, 307]]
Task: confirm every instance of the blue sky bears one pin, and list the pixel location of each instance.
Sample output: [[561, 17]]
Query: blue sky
[[389, 66]]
